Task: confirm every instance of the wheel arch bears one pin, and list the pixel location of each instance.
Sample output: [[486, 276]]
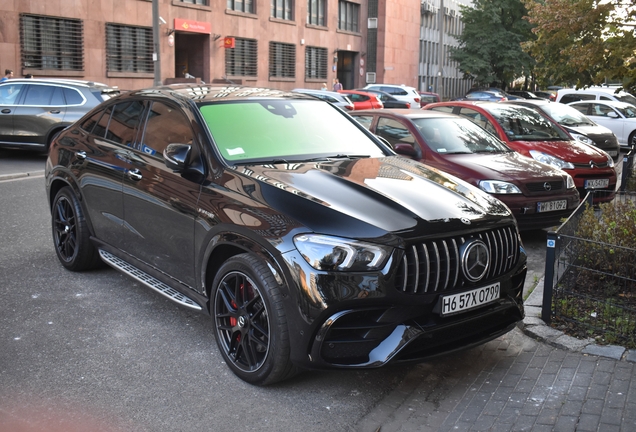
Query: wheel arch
[[61, 180], [53, 133], [224, 246]]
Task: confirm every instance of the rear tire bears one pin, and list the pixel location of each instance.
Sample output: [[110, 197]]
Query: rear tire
[[71, 236], [250, 324]]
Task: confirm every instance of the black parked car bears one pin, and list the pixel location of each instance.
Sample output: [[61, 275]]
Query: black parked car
[[308, 241]]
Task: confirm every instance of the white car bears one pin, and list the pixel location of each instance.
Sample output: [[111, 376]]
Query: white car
[[619, 117], [401, 92], [568, 95]]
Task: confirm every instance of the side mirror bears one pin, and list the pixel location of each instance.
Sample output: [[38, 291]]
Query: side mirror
[[612, 114], [405, 150], [176, 156]]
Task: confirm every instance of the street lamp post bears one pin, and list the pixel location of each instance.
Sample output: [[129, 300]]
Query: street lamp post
[[156, 55]]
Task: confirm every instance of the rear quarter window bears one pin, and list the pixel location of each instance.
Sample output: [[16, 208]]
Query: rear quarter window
[[73, 97]]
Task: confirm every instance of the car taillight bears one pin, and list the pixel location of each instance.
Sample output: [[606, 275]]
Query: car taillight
[[503, 99], [349, 107], [417, 100], [408, 105]]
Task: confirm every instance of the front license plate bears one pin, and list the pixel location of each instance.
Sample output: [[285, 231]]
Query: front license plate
[[596, 183], [552, 206], [470, 299]]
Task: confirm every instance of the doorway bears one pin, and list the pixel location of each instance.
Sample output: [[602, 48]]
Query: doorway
[[346, 69], [192, 56]]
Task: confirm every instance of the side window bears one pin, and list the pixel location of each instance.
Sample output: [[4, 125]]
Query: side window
[[58, 97], [10, 93], [364, 121], [605, 98], [474, 116], [357, 98], [90, 123], [490, 128], [124, 123], [601, 110], [446, 109], [73, 97], [583, 108], [394, 131], [102, 125], [38, 95], [165, 125]]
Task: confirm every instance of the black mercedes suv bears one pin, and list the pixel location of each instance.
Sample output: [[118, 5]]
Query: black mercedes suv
[[308, 241]]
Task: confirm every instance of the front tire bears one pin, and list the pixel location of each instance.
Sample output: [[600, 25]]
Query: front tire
[[71, 236], [250, 322]]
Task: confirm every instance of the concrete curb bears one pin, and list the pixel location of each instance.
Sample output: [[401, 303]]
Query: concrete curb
[[21, 175], [536, 328]]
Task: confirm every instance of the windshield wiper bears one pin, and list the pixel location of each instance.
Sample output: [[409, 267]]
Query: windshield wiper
[[346, 156]]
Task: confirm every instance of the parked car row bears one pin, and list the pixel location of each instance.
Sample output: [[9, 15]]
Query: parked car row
[[539, 137]]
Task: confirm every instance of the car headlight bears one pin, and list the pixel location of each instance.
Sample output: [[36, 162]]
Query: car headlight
[[569, 181], [339, 254], [582, 138], [610, 161], [550, 160], [498, 187]]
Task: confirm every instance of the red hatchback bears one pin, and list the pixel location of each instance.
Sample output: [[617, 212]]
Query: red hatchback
[[537, 136], [538, 195], [363, 100]]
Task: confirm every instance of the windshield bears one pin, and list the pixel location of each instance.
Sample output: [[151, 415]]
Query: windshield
[[284, 130], [458, 135], [626, 97], [566, 115], [525, 124], [628, 111]]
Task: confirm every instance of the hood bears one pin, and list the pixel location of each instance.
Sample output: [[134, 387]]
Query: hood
[[511, 167], [570, 151], [599, 134], [371, 197]]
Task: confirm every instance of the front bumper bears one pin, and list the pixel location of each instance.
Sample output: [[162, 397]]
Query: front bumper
[[369, 329]]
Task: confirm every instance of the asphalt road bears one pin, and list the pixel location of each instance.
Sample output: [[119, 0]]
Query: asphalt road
[[97, 351]]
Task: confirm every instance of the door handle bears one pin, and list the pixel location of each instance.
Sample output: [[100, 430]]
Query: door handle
[[135, 174], [54, 111], [6, 111], [81, 154]]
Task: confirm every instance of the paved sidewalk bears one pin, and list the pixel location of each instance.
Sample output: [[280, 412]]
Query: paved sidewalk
[[513, 383], [534, 378]]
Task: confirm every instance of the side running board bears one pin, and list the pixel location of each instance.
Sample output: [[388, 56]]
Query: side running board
[[146, 279]]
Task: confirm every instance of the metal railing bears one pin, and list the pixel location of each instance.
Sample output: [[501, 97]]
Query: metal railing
[[590, 286]]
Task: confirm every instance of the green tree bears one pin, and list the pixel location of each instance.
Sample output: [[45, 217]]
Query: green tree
[[583, 42], [489, 48]]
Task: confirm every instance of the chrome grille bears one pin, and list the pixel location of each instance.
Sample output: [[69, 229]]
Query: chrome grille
[[434, 265]]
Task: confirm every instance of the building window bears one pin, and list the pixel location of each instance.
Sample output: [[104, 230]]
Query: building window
[[316, 12], [316, 63], [51, 43], [242, 59], [197, 2], [282, 60], [282, 9], [348, 16], [128, 49], [246, 6]]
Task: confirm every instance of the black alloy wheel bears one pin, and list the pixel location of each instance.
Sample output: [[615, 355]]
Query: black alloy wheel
[[71, 236], [249, 319]]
